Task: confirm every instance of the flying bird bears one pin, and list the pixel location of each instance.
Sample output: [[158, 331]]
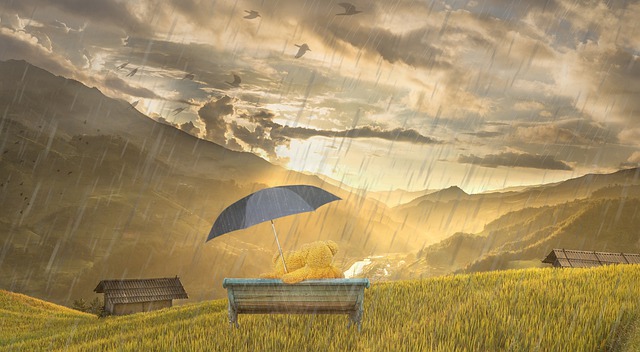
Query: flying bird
[[133, 72], [303, 49], [189, 76], [176, 111], [236, 81], [251, 14], [123, 65], [349, 9]]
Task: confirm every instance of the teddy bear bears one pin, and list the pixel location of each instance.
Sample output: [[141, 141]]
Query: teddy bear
[[294, 260], [312, 261], [317, 263]]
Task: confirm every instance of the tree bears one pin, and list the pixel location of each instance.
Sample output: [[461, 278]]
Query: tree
[[95, 306]]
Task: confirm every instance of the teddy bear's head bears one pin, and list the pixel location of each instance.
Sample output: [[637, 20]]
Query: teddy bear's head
[[319, 254]]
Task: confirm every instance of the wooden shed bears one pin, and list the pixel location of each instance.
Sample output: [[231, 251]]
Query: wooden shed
[[569, 258], [130, 296]]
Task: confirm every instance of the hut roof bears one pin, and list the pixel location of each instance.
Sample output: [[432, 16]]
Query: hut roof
[[142, 290], [581, 259]]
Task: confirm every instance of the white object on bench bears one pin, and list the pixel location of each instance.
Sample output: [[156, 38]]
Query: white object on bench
[[272, 296]]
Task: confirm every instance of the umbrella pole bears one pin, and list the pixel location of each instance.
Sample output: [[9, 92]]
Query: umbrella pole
[[279, 248]]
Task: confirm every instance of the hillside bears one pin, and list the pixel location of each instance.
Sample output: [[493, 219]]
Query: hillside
[[524, 310], [92, 189], [442, 214], [607, 221]]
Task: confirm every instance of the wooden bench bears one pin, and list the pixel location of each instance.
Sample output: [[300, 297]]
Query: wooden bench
[[272, 296]]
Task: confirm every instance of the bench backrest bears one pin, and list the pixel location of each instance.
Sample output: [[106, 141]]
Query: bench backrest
[[272, 296]]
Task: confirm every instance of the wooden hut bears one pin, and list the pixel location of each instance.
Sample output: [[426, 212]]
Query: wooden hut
[[569, 258], [139, 295]]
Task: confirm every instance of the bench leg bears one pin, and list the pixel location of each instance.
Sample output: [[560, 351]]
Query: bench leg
[[233, 317], [355, 318]]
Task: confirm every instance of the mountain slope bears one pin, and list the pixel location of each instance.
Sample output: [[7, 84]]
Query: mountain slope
[[601, 225], [603, 222], [459, 212]]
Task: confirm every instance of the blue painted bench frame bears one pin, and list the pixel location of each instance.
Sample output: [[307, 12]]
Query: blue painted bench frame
[[272, 296]]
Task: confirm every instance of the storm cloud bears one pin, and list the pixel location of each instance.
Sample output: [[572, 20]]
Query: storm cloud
[[212, 116], [259, 130], [510, 159]]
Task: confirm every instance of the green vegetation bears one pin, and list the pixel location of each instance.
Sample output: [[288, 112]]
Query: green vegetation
[[519, 310]]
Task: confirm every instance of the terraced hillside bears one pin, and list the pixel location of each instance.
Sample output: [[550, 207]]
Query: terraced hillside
[[522, 310]]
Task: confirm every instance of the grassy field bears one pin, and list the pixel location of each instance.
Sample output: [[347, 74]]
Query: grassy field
[[515, 310]]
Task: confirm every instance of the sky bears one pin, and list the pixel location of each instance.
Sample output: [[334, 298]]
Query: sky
[[406, 94]]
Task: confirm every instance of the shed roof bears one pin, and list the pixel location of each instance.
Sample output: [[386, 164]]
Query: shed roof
[[581, 259], [142, 290]]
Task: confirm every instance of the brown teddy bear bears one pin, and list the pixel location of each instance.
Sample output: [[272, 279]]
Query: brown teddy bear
[[312, 261], [294, 260], [317, 263]]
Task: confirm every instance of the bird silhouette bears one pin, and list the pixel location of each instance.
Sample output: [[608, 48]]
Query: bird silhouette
[[176, 111], [122, 66], [189, 76], [303, 49], [251, 14], [133, 72], [349, 9], [236, 81]]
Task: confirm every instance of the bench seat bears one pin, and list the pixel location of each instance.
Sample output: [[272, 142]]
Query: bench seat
[[272, 296]]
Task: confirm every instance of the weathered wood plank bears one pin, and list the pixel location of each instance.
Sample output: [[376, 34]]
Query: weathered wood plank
[[271, 296], [276, 300]]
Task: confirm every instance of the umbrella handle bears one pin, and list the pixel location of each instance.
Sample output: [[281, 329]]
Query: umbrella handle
[[279, 248]]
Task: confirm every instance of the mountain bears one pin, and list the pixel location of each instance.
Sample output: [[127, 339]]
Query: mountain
[[607, 221], [92, 189], [441, 215], [453, 193]]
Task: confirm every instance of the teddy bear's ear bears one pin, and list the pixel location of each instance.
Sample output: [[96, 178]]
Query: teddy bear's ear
[[332, 246]]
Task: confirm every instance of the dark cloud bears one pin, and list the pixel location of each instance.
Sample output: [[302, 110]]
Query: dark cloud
[[113, 13], [396, 134], [199, 11], [413, 48], [267, 135], [187, 101], [570, 132], [190, 128], [259, 138], [619, 81], [510, 159], [212, 115], [485, 134], [118, 84], [508, 10]]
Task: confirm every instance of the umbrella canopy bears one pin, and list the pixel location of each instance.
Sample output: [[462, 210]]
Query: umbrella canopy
[[269, 204]]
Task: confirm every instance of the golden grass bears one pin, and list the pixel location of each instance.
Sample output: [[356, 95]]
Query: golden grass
[[517, 310]]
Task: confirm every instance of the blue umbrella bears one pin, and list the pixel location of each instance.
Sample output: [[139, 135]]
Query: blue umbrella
[[269, 204]]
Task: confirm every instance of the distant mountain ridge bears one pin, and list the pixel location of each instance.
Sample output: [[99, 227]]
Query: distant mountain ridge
[[444, 213]]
